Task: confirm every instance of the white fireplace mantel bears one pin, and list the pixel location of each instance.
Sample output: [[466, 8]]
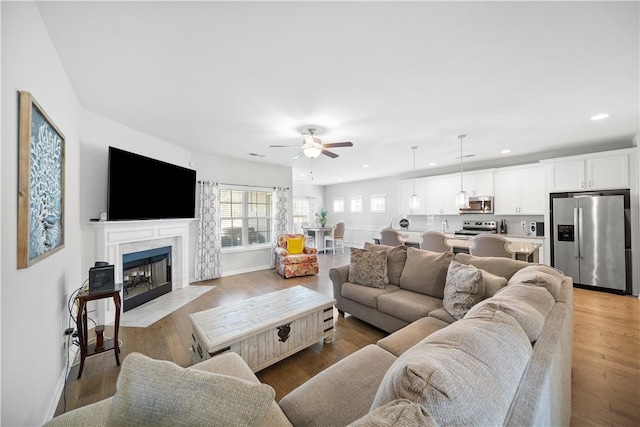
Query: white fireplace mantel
[[116, 238]]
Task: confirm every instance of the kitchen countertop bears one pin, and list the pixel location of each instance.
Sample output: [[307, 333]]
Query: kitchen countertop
[[450, 234]]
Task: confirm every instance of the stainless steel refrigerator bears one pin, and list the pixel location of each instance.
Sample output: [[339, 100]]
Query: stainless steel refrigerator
[[590, 239]]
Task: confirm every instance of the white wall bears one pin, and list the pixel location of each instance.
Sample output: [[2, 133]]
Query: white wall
[[34, 300]]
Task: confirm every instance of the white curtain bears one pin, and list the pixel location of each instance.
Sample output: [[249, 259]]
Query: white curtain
[[208, 262], [279, 226]]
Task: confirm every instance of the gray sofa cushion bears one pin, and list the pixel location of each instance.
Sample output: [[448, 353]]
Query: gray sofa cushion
[[399, 413], [442, 314], [492, 283], [463, 289], [406, 305], [541, 276], [396, 258], [528, 305], [425, 272], [340, 394], [402, 340], [161, 393], [365, 295], [368, 268], [499, 266], [464, 374]]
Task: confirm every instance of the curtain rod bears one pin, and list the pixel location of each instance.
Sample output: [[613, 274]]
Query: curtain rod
[[246, 185]]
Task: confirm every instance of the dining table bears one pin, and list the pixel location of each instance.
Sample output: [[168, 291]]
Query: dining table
[[318, 234]]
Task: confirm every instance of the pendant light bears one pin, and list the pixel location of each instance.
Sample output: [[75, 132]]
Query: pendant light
[[414, 200], [462, 198]]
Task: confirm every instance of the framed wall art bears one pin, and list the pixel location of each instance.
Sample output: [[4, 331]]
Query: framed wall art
[[40, 184]]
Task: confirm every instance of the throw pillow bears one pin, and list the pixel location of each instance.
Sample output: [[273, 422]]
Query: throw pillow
[[399, 413], [295, 245], [463, 289], [160, 393], [396, 258], [464, 374], [538, 277], [368, 268], [528, 305], [425, 272]]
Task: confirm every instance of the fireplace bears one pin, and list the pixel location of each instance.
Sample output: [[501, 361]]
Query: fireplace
[[146, 275], [116, 238]]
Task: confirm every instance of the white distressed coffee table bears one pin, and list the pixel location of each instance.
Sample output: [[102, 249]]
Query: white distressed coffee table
[[264, 329]]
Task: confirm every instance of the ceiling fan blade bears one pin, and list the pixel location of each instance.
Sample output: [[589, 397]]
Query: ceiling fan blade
[[285, 146], [297, 156], [329, 153], [338, 144]]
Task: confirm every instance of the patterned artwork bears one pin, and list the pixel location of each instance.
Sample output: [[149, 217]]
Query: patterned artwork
[[41, 184]]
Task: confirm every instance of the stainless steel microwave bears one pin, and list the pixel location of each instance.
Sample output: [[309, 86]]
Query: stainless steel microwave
[[479, 205]]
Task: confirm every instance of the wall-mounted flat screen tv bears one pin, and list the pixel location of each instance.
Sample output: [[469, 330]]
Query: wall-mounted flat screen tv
[[140, 187]]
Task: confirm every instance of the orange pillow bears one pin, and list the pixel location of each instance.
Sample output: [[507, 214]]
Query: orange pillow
[[294, 245]]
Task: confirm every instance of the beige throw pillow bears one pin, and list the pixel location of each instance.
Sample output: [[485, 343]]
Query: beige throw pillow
[[528, 305], [368, 268], [464, 374], [396, 258], [425, 272], [463, 289], [160, 393]]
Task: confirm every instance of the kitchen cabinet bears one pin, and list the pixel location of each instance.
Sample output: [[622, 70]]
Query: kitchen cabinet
[[519, 190], [441, 193], [406, 189], [478, 183], [593, 172]]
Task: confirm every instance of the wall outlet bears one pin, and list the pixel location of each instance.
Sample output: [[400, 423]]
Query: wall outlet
[[523, 224]]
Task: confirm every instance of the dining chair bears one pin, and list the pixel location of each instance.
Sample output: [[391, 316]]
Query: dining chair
[[391, 237], [490, 245], [336, 238], [435, 241]]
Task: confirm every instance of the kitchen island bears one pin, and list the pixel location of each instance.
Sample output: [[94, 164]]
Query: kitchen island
[[526, 247]]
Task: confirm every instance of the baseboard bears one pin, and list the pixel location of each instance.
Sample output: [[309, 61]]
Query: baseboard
[[57, 395], [246, 270]]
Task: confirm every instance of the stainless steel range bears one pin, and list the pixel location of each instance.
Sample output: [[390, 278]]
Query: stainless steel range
[[473, 228]]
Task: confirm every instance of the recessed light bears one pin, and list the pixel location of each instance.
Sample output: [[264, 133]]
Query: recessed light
[[505, 151], [432, 164], [600, 116], [302, 174], [365, 166]]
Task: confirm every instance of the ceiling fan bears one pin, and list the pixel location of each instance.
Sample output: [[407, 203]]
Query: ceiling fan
[[312, 147]]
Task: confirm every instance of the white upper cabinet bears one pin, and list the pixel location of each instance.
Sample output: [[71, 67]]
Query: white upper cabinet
[[441, 193], [519, 190], [406, 189], [602, 171], [478, 183]]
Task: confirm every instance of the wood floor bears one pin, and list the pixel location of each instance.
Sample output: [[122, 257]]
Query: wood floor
[[606, 357]]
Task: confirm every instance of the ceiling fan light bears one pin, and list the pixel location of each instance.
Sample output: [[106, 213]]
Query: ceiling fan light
[[312, 152], [462, 200]]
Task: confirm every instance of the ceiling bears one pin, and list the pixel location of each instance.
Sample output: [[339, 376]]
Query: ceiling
[[233, 78]]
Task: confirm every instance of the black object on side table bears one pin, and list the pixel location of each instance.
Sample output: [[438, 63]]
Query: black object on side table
[[87, 349]]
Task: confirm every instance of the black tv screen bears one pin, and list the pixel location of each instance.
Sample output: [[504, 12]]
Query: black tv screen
[[140, 187]]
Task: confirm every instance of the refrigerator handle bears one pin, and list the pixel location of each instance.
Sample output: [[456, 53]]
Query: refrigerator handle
[[576, 238], [580, 232]]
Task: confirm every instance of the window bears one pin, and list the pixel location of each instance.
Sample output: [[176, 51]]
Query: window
[[301, 211], [379, 203], [356, 204], [338, 205], [245, 217]]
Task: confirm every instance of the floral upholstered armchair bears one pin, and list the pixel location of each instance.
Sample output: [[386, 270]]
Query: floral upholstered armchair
[[293, 258]]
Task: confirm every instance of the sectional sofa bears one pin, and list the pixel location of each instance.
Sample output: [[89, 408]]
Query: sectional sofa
[[498, 359]]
